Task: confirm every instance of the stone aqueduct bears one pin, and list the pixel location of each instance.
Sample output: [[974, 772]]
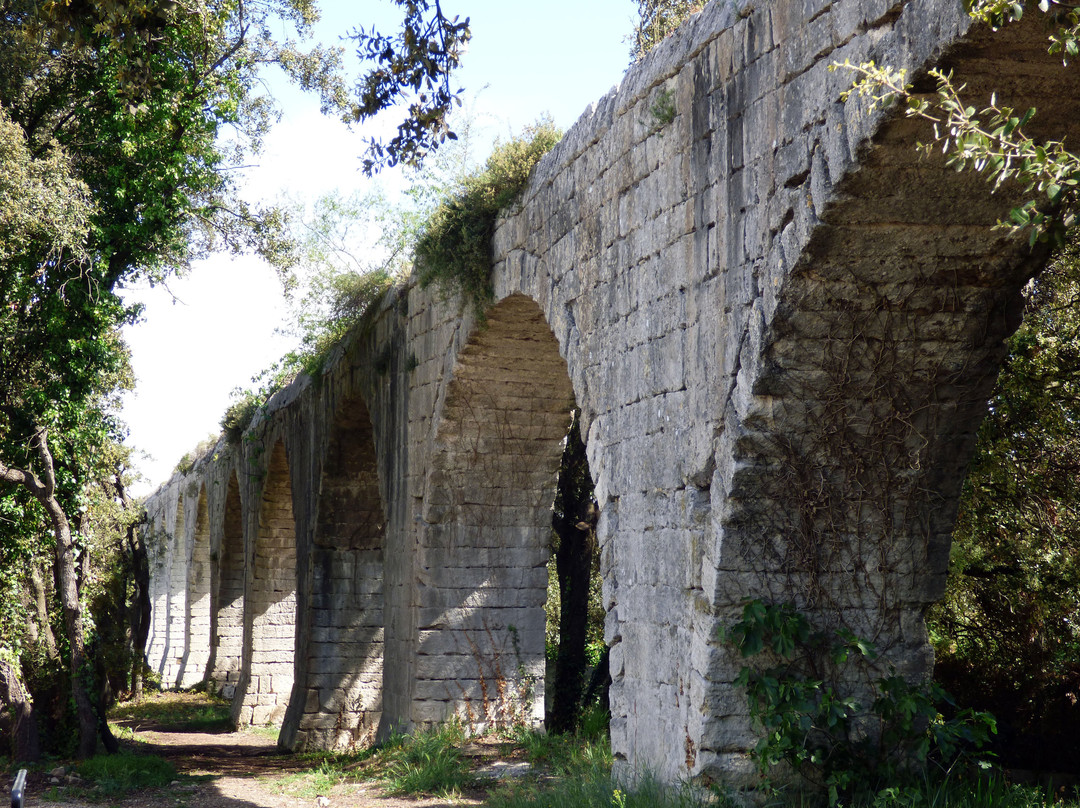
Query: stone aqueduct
[[781, 325]]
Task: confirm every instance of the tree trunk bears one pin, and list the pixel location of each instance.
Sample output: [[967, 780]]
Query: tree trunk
[[43, 490], [573, 522], [573, 563], [41, 607], [26, 746], [140, 606]]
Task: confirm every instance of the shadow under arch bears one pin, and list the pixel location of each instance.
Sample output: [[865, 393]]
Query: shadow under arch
[[272, 602], [486, 523], [342, 667], [197, 608], [227, 607]]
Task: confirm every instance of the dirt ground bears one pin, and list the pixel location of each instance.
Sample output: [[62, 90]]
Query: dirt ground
[[230, 770]]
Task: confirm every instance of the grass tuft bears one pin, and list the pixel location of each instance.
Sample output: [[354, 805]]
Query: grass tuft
[[429, 762], [316, 782]]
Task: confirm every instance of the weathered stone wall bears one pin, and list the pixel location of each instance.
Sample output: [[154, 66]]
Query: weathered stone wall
[[227, 598], [781, 325]]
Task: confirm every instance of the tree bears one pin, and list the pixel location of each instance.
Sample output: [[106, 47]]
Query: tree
[[657, 20], [114, 169], [573, 524], [414, 67], [1007, 634]]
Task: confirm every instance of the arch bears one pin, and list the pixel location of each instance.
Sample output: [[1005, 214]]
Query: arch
[[874, 373], [273, 600], [197, 617], [486, 523], [345, 651], [227, 611]]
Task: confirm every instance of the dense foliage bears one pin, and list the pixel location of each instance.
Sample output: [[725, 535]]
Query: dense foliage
[[115, 167], [1008, 631], [827, 711]]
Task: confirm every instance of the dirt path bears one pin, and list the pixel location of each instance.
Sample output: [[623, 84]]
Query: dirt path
[[228, 770]]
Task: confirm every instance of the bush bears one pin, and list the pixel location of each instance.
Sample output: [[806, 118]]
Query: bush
[[454, 248], [240, 414], [810, 721]]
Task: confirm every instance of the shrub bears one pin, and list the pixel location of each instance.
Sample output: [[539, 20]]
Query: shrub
[[454, 248], [811, 722], [240, 414]]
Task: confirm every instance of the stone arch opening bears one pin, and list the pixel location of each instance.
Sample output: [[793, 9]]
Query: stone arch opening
[[228, 610], [197, 618], [343, 694], [273, 600], [176, 619], [486, 524]]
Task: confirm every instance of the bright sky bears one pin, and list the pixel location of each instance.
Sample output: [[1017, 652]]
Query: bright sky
[[525, 59]]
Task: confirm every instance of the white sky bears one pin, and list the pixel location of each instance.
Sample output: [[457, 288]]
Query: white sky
[[525, 59]]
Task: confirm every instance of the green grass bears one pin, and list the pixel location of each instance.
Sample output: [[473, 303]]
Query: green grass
[[191, 712], [267, 731], [315, 782], [984, 789], [428, 762], [591, 786], [121, 774]]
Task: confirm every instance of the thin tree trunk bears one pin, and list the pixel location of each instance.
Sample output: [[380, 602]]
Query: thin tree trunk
[[573, 522], [141, 606], [27, 745], [43, 489], [41, 607], [573, 563]]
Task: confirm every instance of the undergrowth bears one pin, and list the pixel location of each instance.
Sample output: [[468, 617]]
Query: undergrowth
[[330, 772], [185, 712], [831, 713], [121, 774]]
